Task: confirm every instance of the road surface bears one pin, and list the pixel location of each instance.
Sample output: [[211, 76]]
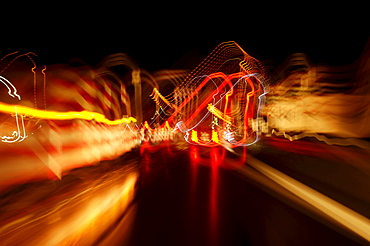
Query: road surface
[[209, 196], [275, 192]]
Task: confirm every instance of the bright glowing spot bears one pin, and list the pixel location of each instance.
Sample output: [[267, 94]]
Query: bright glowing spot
[[146, 125], [194, 136], [167, 125], [215, 137]]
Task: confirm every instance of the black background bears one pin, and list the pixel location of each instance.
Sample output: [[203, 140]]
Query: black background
[[180, 36]]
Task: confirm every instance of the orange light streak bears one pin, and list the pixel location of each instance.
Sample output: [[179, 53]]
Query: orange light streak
[[44, 75], [34, 82]]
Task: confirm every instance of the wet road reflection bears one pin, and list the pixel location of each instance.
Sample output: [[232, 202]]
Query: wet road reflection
[[272, 193], [199, 196]]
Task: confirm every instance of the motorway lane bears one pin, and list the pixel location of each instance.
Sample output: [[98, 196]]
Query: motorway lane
[[199, 196]]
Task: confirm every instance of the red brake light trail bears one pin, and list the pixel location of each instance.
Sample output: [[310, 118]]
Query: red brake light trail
[[220, 98]]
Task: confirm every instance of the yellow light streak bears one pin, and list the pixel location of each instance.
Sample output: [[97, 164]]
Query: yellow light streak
[[167, 125], [215, 111], [343, 215], [155, 91], [55, 115]]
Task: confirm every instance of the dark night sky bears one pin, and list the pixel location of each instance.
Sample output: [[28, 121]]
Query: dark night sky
[[162, 41]]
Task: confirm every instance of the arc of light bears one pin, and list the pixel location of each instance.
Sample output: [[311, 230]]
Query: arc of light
[[204, 82], [227, 80], [12, 91], [229, 93]]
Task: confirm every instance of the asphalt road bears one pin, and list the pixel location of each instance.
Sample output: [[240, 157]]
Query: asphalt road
[[275, 192], [209, 196]]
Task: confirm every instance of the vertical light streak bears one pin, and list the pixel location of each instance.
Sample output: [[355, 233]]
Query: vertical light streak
[[34, 82], [215, 137], [125, 99], [136, 81], [44, 87], [246, 110], [17, 136], [20, 134], [194, 136]]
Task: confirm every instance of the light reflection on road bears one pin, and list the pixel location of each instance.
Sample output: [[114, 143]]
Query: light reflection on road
[[74, 211]]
